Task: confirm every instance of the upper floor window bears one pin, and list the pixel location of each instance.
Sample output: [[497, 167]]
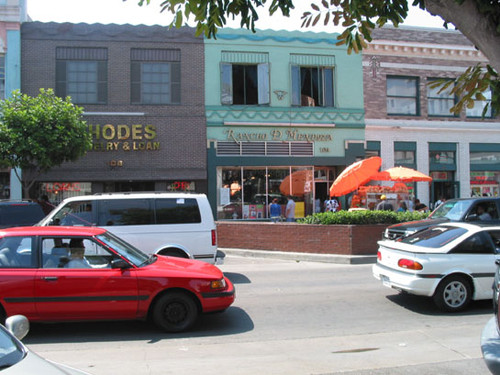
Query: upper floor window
[[402, 96], [477, 110], [244, 84], [439, 103], [312, 86], [155, 76], [81, 73]]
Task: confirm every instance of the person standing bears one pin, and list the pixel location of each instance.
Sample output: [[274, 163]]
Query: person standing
[[290, 209], [275, 211], [383, 205], [332, 205]]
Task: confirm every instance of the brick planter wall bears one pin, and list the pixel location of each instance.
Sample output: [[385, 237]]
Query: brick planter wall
[[302, 238]]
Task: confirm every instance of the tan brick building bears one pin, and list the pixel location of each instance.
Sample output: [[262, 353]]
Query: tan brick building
[[409, 124]]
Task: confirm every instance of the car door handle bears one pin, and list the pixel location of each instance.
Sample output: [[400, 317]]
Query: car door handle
[[49, 278]]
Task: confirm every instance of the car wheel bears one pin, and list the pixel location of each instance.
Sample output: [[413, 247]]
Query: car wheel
[[175, 312], [453, 294], [174, 253]]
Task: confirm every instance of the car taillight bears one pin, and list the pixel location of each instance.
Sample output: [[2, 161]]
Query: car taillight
[[379, 256], [410, 264], [214, 237]]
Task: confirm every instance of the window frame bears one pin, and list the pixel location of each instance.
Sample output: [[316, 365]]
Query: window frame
[[416, 96], [440, 98], [489, 113], [326, 85], [228, 85]]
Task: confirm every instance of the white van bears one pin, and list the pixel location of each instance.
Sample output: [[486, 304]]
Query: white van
[[175, 224]]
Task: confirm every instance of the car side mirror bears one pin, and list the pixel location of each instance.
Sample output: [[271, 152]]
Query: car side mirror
[[18, 325], [119, 263]]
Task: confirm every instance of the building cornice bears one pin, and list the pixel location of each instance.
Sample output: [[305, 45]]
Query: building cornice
[[424, 50]]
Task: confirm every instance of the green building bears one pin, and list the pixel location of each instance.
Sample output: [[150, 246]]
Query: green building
[[284, 116]]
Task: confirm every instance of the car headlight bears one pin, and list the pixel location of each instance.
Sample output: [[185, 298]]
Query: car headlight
[[218, 284]]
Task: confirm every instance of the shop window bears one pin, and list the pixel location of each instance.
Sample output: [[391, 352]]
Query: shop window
[[155, 76], [81, 73], [312, 86], [490, 157], [479, 107], [244, 84], [404, 157], [439, 103], [402, 96], [442, 157]]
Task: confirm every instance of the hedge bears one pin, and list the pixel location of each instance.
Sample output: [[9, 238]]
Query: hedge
[[362, 217]]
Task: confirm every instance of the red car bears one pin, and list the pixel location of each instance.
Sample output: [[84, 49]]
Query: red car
[[87, 273]]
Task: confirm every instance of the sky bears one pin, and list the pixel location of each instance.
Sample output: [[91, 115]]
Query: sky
[[129, 12]]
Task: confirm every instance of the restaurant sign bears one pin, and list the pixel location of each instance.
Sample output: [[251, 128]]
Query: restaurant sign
[[124, 137]]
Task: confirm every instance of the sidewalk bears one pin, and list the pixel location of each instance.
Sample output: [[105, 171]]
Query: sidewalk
[[306, 257]]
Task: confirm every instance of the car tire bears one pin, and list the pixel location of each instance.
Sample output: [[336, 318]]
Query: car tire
[[453, 294], [175, 312]]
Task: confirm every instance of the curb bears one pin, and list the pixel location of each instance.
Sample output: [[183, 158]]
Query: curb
[[306, 257]]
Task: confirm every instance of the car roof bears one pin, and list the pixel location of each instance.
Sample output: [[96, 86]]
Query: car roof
[[52, 231], [133, 195]]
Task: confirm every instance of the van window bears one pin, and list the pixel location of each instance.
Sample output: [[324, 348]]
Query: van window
[[125, 212], [177, 211]]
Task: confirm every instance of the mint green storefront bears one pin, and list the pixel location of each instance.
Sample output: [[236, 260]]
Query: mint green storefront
[[284, 116]]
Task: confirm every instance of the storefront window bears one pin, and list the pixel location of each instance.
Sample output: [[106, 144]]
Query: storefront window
[[57, 191], [485, 158], [246, 193], [485, 183]]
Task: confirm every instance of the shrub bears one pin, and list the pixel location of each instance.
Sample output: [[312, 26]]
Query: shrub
[[362, 217]]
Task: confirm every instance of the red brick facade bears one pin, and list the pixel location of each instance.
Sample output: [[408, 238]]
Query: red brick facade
[[300, 238]]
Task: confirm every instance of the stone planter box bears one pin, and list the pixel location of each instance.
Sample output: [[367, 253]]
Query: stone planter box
[[349, 240]]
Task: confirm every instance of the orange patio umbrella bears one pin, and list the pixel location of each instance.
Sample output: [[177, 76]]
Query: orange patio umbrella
[[297, 183], [355, 175], [401, 174]]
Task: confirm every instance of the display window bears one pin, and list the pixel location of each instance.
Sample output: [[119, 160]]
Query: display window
[[485, 183], [247, 192]]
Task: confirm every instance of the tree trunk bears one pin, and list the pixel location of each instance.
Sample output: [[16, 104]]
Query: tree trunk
[[473, 25]]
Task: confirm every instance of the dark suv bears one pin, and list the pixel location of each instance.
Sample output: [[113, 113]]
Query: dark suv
[[20, 213], [484, 209]]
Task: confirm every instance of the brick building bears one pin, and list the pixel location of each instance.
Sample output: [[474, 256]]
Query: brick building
[[409, 124], [142, 90]]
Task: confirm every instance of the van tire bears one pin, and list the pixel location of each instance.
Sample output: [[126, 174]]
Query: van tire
[[175, 312]]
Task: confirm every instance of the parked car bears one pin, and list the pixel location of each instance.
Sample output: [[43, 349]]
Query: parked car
[[60, 273], [453, 210], [19, 213], [175, 224], [17, 359], [453, 263]]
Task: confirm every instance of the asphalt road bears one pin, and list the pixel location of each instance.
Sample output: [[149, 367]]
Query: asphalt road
[[289, 318]]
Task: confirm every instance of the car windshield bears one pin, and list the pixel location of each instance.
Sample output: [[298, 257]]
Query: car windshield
[[434, 237], [11, 351], [452, 209], [125, 249]]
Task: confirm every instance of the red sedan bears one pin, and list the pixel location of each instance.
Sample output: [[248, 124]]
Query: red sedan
[[87, 273]]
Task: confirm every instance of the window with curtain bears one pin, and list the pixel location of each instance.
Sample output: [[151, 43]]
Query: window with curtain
[[244, 84], [439, 103], [479, 105], [312, 86]]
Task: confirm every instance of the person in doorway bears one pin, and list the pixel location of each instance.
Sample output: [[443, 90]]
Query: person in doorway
[[383, 205], [439, 201], [275, 211], [290, 209]]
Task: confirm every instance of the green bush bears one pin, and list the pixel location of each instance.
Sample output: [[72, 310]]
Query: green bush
[[362, 217]]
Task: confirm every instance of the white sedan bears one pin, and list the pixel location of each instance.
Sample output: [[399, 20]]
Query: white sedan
[[453, 263]]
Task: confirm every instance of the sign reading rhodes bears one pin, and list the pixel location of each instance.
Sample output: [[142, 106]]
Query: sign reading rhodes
[[124, 137]]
